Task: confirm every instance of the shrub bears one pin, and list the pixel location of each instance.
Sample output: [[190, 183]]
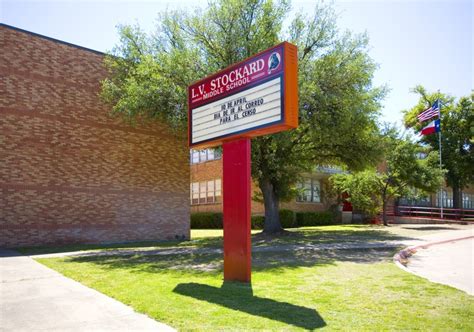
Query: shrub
[[287, 219], [257, 222], [314, 218], [206, 220], [214, 220]]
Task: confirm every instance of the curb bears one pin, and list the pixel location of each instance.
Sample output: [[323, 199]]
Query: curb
[[401, 258]]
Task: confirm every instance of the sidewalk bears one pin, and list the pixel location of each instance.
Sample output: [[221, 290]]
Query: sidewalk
[[448, 263], [275, 248], [446, 258], [153, 251], [404, 241], [36, 298]]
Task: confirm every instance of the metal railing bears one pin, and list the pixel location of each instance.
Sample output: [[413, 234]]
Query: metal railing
[[434, 212]]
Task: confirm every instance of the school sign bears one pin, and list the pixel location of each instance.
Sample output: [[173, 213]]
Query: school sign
[[255, 97]]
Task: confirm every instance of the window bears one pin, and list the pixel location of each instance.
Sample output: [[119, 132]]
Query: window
[[194, 157], [206, 192], [416, 198], [218, 191], [210, 154], [200, 156], [467, 201], [210, 191], [310, 191], [195, 193], [420, 201], [202, 192], [447, 199]]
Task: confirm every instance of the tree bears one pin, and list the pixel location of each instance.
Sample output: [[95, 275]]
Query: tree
[[457, 126], [363, 188], [402, 172], [338, 104]]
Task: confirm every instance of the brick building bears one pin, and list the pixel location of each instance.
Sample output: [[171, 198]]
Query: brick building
[[206, 184], [69, 173], [206, 194]]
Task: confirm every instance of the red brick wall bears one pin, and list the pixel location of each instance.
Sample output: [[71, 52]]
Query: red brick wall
[[68, 172]]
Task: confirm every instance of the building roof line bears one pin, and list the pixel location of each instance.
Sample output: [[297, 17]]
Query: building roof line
[[51, 39]]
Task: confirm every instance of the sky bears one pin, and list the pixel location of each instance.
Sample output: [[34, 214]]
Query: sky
[[413, 41]]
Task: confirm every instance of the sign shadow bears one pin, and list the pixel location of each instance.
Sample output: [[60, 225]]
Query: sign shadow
[[239, 296]]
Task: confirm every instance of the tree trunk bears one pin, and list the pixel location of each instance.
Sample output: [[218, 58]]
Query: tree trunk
[[384, 211], [272, 204], [457, 200], [384, 204]]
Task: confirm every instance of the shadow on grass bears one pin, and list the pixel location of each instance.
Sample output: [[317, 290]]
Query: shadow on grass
[[211, 264], [265, 261], [237, 296], [189, 263], [358, 235]]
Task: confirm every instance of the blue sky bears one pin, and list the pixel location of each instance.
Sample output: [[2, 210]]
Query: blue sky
[[414, 42]]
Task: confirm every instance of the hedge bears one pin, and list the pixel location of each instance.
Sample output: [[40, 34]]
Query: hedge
[[288, 219], [206, 220], [314, 218], [213, 220], [257, 222]]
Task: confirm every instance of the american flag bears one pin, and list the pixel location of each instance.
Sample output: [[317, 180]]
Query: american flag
[[430, 112]]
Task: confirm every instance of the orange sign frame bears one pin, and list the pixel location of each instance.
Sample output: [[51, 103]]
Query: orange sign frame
[[253, 72]]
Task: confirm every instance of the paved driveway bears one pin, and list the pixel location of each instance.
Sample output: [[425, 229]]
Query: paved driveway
[[449, 263], [36, 298]]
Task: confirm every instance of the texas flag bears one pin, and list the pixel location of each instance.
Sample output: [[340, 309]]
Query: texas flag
[[432, 127]]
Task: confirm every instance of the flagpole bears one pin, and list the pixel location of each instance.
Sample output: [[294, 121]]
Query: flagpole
[[440, 159]]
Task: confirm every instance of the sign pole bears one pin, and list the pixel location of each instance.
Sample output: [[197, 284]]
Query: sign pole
[[237, 191]]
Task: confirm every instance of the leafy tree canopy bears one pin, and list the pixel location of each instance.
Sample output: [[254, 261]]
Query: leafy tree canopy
[[457, 133], [338, 109], [402, 171]]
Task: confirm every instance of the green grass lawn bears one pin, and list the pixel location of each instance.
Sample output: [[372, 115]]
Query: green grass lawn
[[351, 290]]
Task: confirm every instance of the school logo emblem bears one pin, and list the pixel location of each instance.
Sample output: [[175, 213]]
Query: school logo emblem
[[273, 62]]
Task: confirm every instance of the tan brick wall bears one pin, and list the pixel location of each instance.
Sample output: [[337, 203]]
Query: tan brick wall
[[213, 170], [324, 205], [208, 170], [68, 172], [205, 171]]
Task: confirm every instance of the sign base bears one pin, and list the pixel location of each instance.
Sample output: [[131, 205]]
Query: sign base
[[237, 190]]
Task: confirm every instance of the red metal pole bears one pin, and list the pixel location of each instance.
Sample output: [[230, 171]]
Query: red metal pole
[[236, 199]]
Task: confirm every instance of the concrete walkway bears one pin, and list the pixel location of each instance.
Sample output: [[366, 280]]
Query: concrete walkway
[[348, 245], [36, 298], [407, 238], [445, 257]]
